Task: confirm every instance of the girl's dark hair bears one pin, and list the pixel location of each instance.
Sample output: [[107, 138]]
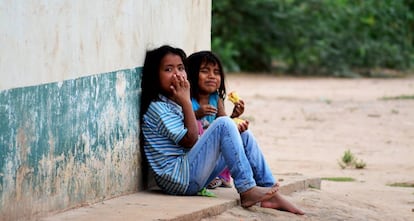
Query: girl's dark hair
[[150, 83], [150, 88], [192, 67]]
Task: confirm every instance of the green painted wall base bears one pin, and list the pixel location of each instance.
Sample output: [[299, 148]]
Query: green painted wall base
[[69, 143]]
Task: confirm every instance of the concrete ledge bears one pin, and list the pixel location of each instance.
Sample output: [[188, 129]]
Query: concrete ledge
[[154, 205], [298, 183]]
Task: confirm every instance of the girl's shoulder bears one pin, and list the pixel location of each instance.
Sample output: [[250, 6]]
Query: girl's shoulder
[[163, 104]]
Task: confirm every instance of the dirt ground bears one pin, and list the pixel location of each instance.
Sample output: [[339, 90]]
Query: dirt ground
[[304, 125]]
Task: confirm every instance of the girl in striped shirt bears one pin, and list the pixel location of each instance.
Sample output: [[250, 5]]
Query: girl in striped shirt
[[184, 163]]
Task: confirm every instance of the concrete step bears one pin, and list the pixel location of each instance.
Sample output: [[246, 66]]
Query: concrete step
[[155, 205]]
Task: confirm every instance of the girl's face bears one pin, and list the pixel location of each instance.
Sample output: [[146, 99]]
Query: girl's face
[[170, 65], [209, 78]]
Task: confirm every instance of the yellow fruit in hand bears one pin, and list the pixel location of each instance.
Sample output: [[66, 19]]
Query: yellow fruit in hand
[[234, 97], [238, 120]]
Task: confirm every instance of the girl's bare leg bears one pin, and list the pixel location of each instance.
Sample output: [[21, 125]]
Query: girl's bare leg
[[280, 203]]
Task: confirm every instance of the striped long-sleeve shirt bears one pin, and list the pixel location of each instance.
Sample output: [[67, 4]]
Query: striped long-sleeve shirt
[[163, 127]]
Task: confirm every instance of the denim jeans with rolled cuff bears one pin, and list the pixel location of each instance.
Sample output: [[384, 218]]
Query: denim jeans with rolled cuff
[[222, 145]]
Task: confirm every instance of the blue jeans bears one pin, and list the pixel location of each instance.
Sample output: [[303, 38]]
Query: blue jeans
[[222, 145]]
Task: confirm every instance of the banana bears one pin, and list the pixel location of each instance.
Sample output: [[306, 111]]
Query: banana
[[234, 97], [238, 120]]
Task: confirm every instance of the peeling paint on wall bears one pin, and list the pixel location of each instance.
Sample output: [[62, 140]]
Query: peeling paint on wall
[[69, 143]]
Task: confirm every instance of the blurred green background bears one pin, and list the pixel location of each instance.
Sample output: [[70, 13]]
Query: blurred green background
[[342, 38]]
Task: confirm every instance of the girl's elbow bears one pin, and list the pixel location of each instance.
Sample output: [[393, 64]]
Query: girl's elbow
[[189, 141], [193, 141]]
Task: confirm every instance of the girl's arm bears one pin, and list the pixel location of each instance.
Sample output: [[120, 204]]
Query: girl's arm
[[220, 108], [190, 122], [181, 94], [238, 109], [243, 126], [205, 110]]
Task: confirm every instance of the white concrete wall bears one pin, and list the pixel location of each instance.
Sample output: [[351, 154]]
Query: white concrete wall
[[70, 92], [45, 41]]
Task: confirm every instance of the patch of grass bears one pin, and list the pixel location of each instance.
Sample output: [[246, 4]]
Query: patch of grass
[[349, 160], [400, 97], [348, 157], [359, 164], [339, 179], [404, 184]]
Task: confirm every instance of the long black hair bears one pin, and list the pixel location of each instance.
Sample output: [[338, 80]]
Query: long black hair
[[193, 64], [150, 83], [150, 88]]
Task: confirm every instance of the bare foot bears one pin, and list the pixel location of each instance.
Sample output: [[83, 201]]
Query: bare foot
[[257, 194], [280, 203]]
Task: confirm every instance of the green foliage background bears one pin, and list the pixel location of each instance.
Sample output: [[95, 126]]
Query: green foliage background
[[314, 37]]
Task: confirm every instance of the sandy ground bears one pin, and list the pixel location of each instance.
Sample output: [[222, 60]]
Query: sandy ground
[[304, 125]]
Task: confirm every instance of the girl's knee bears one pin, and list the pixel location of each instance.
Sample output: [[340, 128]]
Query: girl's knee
[[225, 120], [247, 133], [225, 123]]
